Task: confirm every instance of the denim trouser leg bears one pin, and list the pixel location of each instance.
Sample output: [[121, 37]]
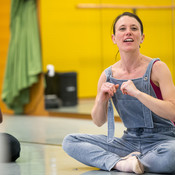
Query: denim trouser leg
[[161, 159], [157, 150], [93, 150]]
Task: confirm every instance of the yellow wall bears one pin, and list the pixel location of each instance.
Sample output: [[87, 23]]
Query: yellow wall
[[4, 41], [80, 39]]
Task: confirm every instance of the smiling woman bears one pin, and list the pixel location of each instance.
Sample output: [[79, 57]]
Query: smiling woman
[[129, 84], [124, 27]]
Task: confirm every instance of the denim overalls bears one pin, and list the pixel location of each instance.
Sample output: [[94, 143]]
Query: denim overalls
[[147, 133]]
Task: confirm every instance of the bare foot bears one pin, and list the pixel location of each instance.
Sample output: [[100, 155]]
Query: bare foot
[[132, 164]]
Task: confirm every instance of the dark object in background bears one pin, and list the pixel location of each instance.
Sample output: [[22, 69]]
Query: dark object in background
[[9, 146], [52, 101], [51, 84], [0, 116], [64, 86], [67, 88], [51, 98]]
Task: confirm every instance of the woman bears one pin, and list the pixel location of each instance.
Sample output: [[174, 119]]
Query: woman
[[143, 93]]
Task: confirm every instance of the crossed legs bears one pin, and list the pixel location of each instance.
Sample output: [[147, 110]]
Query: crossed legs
[[93, 150]]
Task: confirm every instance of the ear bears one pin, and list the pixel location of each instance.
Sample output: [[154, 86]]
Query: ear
[[113, 39], [142, 39]]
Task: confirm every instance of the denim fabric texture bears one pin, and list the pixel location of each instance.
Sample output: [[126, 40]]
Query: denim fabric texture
[[147, 133]]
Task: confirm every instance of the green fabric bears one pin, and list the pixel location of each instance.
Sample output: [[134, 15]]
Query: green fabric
[[24, 55]]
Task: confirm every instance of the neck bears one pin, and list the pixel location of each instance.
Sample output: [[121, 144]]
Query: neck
[[130, 61]]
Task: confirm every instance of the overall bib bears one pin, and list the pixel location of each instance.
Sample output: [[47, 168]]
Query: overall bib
[[147, 133]]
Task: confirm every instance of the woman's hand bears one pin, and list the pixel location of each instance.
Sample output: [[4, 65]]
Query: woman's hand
[[107, 91], [128, 88]]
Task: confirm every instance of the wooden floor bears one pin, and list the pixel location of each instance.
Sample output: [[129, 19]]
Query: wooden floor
[[82, 110], [41, 150]]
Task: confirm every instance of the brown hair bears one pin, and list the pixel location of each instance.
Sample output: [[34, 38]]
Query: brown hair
[[130, 15]]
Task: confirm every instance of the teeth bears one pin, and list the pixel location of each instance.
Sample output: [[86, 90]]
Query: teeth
[[128, 40]]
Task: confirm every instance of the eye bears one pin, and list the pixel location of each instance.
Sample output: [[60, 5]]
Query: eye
[[122, 28], [134, 28]]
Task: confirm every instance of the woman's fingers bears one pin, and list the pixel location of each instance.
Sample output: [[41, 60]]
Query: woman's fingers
[[117, 86], [110, 88], [128, 88], [123, 88]]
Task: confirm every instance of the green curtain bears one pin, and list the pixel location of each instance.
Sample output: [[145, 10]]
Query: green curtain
[[24, 55]]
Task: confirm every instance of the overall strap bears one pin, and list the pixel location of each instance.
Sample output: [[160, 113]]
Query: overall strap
[[108, 73], [149, 68], [111, 122], [146, 84]]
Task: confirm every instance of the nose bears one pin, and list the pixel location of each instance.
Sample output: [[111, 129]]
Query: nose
[[128, 32]]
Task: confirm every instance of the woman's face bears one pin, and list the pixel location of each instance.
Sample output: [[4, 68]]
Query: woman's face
[[128, 35]]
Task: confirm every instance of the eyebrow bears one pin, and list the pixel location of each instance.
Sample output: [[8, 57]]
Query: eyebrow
[[132, 25], [125, 25]]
